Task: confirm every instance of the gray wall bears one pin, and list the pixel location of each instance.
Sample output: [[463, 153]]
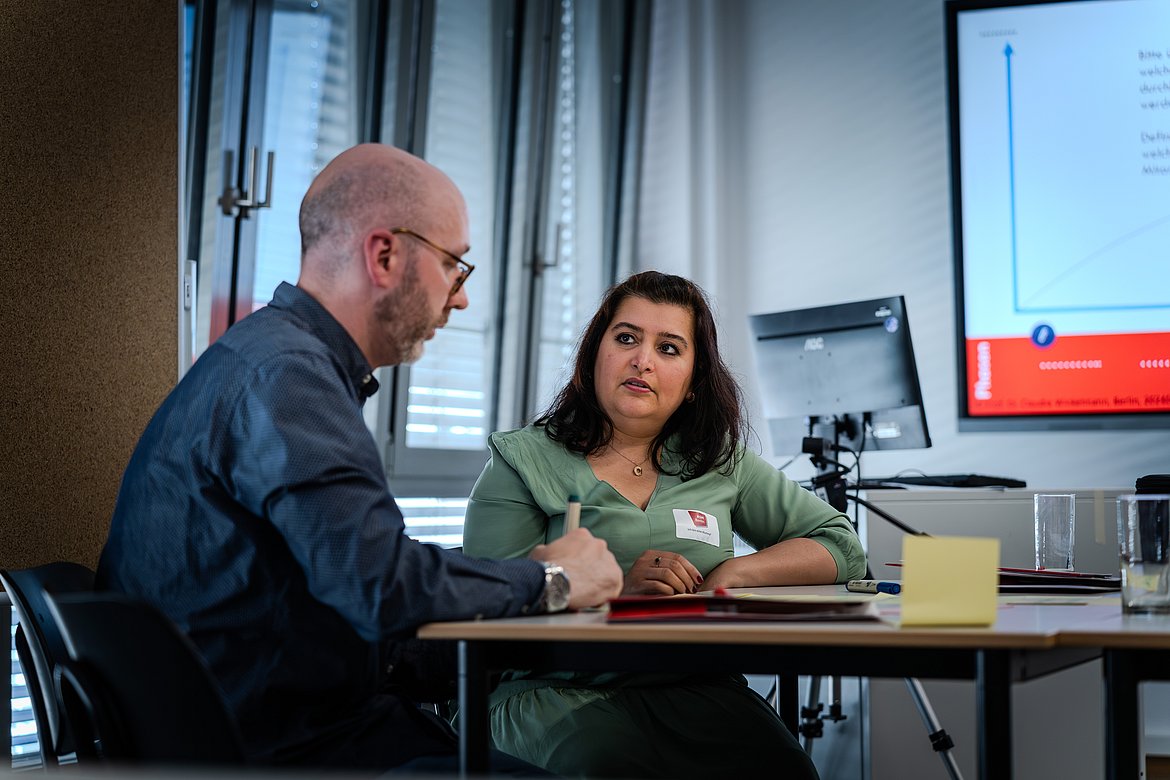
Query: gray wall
[[833, 168]]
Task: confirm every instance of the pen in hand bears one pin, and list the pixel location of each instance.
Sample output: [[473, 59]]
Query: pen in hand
[[873, 586], [573, 514]]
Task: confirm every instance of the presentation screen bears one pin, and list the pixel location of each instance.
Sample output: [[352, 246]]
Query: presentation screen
[[1060, 168]]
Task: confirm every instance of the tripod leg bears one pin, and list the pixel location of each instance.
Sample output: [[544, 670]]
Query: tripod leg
[[836, 713], [939, 739], [811, 725]]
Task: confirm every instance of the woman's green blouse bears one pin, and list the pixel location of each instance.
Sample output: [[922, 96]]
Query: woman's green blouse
[[519, 502]]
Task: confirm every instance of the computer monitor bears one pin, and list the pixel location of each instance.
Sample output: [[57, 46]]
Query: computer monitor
[[845, 373]]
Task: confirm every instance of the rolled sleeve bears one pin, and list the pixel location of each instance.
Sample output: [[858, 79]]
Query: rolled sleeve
[[773, 508]]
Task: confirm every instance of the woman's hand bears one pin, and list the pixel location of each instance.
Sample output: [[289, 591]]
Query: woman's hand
[[661, 573], [792, 562], [725, 575]]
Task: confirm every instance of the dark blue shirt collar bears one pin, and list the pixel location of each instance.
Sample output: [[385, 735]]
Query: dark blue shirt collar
[[316, 318]]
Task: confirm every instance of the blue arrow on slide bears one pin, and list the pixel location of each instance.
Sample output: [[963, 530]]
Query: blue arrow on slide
[[1007, 55]]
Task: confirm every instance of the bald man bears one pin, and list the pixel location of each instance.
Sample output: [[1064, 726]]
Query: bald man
[[255, 511]]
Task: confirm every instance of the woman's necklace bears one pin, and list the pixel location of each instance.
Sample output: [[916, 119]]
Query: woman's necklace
[[637, 466]]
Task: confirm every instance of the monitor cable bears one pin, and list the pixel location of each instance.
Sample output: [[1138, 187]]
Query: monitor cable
[[883, 514]]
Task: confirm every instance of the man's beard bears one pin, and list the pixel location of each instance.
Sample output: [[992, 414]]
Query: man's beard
[[405, 318]]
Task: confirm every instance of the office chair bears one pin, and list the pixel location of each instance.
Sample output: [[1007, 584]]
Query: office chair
[[134, 688], [39, 646]]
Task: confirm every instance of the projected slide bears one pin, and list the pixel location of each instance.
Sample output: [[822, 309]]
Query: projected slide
[[1064, 155]]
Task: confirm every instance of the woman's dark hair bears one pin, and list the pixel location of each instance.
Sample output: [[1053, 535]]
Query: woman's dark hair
[[709, 428]]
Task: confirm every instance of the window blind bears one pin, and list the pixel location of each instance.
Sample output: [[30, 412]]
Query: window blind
[[24, 745]]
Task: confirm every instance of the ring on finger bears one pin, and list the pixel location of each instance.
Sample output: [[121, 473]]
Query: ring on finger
[[657, 561]]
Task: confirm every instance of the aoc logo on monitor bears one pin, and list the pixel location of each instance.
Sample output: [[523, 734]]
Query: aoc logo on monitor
[[814, 343]]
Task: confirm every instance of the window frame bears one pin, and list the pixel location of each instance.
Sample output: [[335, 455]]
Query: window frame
[[394, 71], [414, 471]]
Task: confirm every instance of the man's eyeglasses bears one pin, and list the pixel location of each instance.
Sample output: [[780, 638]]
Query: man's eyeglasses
[[465, 268]]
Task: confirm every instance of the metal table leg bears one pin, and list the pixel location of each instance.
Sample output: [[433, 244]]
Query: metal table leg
[[1122, 719], [994, 713], [788, 702], [473, 711]]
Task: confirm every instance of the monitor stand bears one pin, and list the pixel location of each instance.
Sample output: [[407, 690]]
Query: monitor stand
[[823, 445]]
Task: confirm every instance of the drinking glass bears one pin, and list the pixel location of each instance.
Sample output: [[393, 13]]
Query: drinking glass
[[1143, 534]]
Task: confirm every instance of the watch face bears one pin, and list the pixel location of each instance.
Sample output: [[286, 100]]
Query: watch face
[[556, 589]]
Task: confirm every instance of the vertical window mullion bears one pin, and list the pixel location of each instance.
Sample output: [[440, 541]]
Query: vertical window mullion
[[508, 75], [627, 137], [416, 22], [230, 28], [248, 176], [199, 22], [536, 244], [555, 331]]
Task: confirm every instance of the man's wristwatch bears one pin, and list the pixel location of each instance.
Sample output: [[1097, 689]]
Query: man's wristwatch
[[556, 589]]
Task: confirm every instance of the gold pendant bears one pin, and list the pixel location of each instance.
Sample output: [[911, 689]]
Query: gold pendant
[[637, 471]]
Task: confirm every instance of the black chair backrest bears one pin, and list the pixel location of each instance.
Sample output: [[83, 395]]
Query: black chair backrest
[[39, 645], [136, 690]]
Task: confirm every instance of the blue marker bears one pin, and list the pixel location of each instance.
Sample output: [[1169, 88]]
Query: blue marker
[[873, 586]]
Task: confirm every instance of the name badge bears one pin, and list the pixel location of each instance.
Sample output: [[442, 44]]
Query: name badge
[[696, 525]]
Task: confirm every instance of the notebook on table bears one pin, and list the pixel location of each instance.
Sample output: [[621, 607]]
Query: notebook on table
[[1014, 580]]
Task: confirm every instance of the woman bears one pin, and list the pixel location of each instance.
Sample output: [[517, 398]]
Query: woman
[[650, 434]]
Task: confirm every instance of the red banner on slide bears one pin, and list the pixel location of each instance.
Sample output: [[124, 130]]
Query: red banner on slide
[[1127, 372]]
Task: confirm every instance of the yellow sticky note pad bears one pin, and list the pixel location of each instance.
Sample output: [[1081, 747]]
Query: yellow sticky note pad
[[949, 580]]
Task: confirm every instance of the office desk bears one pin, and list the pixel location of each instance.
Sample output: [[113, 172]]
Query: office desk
[[1021, 646], [1134, 650]]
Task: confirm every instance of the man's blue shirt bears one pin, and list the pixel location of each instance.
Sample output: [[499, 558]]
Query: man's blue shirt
[[256, 514]]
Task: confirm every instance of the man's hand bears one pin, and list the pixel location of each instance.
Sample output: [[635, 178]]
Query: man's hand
[[593, 572], [661, 573]]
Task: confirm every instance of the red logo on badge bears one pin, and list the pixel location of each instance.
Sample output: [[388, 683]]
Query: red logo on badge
[[698, 518]]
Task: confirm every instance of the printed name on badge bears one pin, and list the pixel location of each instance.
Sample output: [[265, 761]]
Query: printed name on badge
[[696, 525]]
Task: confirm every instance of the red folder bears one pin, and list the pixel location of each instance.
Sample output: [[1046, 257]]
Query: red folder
[[723, 608]]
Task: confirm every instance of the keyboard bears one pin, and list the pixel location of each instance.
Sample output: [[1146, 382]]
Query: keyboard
[[948, 480]]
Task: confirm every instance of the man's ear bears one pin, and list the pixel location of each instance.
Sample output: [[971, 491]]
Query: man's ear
[[384, 258]]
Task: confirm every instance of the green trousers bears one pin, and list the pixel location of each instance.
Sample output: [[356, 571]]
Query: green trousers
[[695, 728]]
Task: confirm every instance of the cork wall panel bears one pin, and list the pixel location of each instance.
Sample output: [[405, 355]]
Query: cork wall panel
[[88, 260]]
